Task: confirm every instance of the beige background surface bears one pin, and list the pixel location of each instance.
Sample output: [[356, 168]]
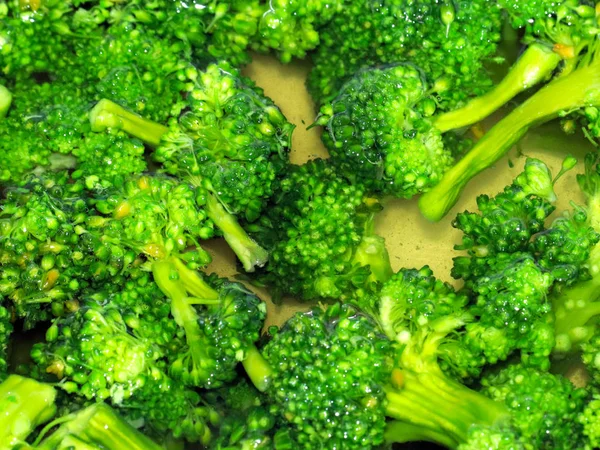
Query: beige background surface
[[412, 241]]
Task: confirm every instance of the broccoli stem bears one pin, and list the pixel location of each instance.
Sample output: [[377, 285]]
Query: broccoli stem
[[107, 114], [442, 406], [576, 90], [373, 252], [171, 281], [533, 67], [258, 369], [5, 101], [25, 404], [247, 250], [397, 432], [96, 427]]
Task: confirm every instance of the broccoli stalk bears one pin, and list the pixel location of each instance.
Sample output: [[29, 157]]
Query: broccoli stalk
[[96, 427], [533, 67], [373, 253], [185, 289], [107, 114], [579, 89], [25, 404], [5, 101], [397, 432], [421, 395]]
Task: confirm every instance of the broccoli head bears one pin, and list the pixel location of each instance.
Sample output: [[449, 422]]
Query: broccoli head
[[379, 132], [320, 236]]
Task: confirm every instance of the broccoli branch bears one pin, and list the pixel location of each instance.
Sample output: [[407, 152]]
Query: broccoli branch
[[258, 369], [421, 395], [372, 252], [576, 90], [25, 404], [533, 67], [107, 114], [176, 280], [97, 426], [247, 250]]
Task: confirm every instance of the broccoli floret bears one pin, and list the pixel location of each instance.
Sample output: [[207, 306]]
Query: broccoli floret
[[506, 222], [320, 235], [159, 218], [576, 306], [291, 28], [107, 350], [324, 373], [246, 419], [6, 329], [379, 132], [544, 407], [43, 267], [589, 419], [450, 41], [234, 161]]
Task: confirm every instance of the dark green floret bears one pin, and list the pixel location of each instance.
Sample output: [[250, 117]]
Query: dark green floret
[[450, 41], [379, 132], [320, 235]]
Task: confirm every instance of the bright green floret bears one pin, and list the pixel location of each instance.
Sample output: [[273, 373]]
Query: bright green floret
[[117, 348], [324, 373], [6, 329], [291, 27], [231, 144], [544, 407], [450, 42]]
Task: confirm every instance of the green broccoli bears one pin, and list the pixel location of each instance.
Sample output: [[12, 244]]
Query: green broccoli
[[545, 406], [320, 236], [333, 377], [589, 419], [214, 146], [6, 329], [379, 132], [42, 259], [291, 28], [450, 41], [576, 306], [117, 347]]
